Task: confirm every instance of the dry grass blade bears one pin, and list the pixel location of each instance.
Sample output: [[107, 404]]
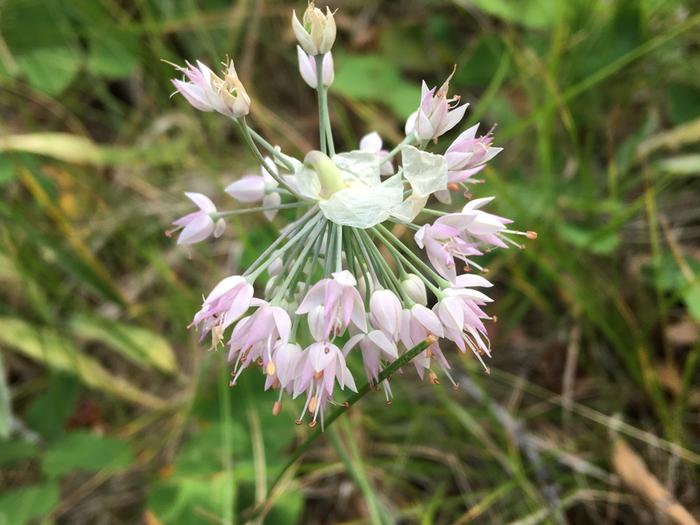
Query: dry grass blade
[[631, 468]]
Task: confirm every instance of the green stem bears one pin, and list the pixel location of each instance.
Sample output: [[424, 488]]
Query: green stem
[[325, 132], [217, 215], [270, 149], [410, 138]]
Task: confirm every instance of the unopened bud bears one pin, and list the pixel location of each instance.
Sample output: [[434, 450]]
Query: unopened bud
[[317, 33], [414, 287]]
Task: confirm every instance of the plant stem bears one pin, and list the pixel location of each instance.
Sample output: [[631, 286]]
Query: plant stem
[[270, 149], [325, 132], [410, 138], [242, 211]]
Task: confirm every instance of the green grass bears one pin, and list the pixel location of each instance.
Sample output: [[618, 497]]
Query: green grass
[[598, 108]]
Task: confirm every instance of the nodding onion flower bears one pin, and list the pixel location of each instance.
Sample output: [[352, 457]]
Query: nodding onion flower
[[332, 296]]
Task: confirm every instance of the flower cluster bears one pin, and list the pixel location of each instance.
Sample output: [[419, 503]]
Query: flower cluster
[[331, 291]]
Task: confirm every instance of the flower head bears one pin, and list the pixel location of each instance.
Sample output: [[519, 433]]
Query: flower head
[[206, 91]]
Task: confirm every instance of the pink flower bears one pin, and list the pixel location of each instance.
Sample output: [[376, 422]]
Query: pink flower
[[460, 314], [258, 188], [286, 357], [322, 364], [224, 305], [341, 304], [468, 155], [385, 313], [307, 68], [443, 243], [206, 91], [375, 347], [418, 324], [372, 143], [485, 227], [436, 114], [199, 225], [254, 338]]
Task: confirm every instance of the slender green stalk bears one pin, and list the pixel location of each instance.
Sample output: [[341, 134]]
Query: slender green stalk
[[270, 149], [325, 132], [410, 139], [243, 211]]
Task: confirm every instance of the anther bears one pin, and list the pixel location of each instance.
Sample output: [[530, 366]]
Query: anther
[[431, 339], [389, 402], [531, 235], [299, 422], [432, 376], [452, 186], [312, 424]]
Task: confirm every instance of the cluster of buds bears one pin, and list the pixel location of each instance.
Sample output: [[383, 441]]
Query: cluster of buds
[[331, 292]]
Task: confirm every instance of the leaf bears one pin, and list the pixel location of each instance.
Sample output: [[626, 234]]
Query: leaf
[[114, 54], [372, 78], [15, 451], [681, 165], [62, 146], [7, 170], [86, 451], [535, 14], [20, 506], [183, 501], [49, 411], [692, 300], [50, 69], [5, 406], [47, 347], [139, 345]]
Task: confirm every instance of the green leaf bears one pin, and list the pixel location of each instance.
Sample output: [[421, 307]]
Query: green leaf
[[47, 347], [50, 69], [20, 506], [135, 343], [114, 54], [683, 102], [49, 411], [7, 170], [86, 451], [534, 14], [185, 501], [692, 300], [681, 165], [372, 78], [15, 451]]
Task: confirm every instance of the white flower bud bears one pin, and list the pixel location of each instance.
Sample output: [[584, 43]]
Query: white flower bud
[[414, 287], [276, 267], [317, 34]]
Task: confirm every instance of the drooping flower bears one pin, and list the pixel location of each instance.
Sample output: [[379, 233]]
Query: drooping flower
[[317, 34], [436, 113], [385, 313], [254, 338], [224, 305], [485, 226], [321, 365], [337, 303], [417, 325], [308, 71], [376, 347], [206, 91], [443, 243], [199, 225]]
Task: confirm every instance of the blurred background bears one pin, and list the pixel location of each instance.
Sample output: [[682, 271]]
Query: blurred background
[[111, 412]]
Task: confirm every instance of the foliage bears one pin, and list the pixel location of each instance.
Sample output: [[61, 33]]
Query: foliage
[[113, 400]]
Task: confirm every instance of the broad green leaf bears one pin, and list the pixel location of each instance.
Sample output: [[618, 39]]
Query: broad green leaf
[[62, 146], [21, 505], [86, 451], [5, 406], [137, 344], [372, 78], [50, 69], [47, 347]]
